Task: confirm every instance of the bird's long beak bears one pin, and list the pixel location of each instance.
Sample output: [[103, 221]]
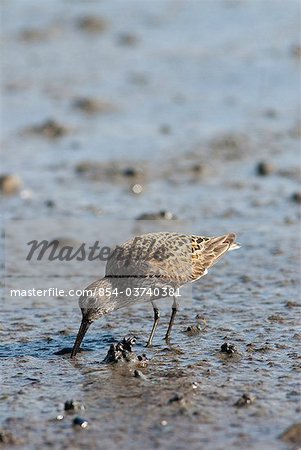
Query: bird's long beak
[[80, 336]]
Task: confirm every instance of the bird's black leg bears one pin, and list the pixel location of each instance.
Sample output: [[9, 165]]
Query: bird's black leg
[[155, 324], [174, 310]]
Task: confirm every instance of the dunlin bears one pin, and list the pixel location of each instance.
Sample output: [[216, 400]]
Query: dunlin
[[147, 268]]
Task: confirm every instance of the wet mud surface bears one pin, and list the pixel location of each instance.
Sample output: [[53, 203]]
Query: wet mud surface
[[170, 110]]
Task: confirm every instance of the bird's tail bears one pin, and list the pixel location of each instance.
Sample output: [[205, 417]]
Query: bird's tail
[[216, 247]]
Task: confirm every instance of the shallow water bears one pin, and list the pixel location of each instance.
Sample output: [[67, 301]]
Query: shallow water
[[207, 84]]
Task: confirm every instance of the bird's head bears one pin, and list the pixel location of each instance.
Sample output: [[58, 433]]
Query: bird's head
[[95, 301]]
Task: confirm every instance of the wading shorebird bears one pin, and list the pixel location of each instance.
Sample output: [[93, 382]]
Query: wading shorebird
[[147, 268]]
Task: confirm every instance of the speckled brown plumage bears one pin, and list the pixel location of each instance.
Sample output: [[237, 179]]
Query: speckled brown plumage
[[151, 260], [176, 258]]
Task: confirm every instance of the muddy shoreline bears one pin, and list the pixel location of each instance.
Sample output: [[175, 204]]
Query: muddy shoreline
[[171, 114]]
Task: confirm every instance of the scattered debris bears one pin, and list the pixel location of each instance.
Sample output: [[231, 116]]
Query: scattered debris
[[49, 203], [123, 352], [229, 348], [50, 129], [127, 39], [176, 398], [9, 184], [265, 168], [7, 438], [292, 434], [92, 106], [139, 374], [73, 405], [161, 215], [245, 400], [296, 197], [80, 422], [231, 146], [137, 189], [292, 304], [193, 330], [92, 24]]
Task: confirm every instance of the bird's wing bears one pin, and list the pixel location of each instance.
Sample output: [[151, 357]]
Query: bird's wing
[[193, 261], [171, 257]]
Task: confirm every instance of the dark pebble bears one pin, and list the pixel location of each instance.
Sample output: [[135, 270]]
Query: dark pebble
[[161, 215], [229, 348], [131, 172], [265, 168], [127, 39], [245, 400], [91, 106], [49, 203], [50, 129], [296, 197], [80, 422], [92, 24], [73, 405], [176, 398], [121, 351]]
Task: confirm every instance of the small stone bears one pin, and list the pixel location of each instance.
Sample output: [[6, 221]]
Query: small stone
[[296, 50], [7, 438], [123, 352], [292, 434], [9, 184], [73, 405], [130, 172], [192, 330], [139, 374], [245, 279], [92, 24], [292, 304], [60, 417], [244, 400], [34, 34], [276, 318], [49, 203], [176, 398], [50, 129], [91, 106], [161, 215], [137, 189], [264, 168], [229, 348], [296, 197], [80, 422], [84, 166], [198, 169], [26, 194], [127, 39]]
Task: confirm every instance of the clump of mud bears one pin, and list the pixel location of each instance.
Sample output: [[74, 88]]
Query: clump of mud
[[50, 129], [161, 215], [92, 24], [92, 106], [9, 184], [123, 352]]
